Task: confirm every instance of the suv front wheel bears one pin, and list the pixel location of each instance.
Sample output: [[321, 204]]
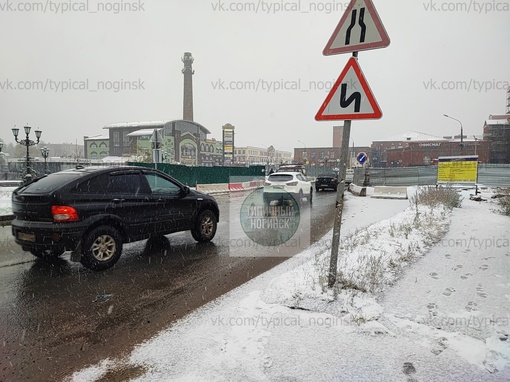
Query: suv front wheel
[[205, 227], [101, 248]]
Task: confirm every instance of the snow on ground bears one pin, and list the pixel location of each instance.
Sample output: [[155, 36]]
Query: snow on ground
[[425, 297], [5, 200], [435, 308], [369, 259]]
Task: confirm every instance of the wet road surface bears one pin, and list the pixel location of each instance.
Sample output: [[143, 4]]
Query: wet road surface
[[59, 317]]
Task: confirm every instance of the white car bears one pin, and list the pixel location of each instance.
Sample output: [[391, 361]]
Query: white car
[[287, 186]]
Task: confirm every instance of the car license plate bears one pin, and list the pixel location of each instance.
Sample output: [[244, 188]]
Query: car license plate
[[26, 236]]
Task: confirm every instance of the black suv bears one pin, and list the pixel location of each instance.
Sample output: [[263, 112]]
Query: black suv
[[93, 211], [324, 181]]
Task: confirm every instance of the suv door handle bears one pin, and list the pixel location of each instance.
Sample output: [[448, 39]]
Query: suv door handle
[[116, 200]]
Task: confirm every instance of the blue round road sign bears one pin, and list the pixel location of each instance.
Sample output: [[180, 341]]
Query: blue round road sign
[[362, 157]]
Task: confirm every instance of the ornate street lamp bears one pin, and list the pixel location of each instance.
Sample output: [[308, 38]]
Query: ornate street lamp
[[27, 142], [45, 152]]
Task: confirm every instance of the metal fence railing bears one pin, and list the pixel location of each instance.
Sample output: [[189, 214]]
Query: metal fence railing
[[492, 175]]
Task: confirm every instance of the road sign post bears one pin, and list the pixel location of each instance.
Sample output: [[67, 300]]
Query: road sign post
[[360, 28], [339, 207]]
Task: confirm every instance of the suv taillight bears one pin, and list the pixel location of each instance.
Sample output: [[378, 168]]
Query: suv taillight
[[267, 183], [64, 214]]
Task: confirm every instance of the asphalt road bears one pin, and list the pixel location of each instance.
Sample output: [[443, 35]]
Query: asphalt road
[[60, 317]]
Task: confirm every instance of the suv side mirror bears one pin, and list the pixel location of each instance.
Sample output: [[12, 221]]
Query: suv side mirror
[[185, 190]]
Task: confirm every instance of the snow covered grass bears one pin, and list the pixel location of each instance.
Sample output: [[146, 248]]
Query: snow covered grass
[[504, 202], [369, 260], [435, 196], [376, 257]]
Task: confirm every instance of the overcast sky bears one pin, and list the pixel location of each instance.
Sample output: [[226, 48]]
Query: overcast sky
[[261, 70]]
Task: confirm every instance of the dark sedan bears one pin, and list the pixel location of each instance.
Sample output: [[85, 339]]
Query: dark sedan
[[326, 182]]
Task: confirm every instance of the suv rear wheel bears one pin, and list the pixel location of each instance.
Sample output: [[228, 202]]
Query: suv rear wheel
[[205, 227], [101, 248]]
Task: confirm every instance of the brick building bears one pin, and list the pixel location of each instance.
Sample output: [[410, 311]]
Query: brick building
[[413, 148]]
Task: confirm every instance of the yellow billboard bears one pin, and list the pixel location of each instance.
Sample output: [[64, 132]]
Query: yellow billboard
[[457, 169]]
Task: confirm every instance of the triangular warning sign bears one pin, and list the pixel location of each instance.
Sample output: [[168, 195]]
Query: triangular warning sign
[[350, 97], [360, 28]]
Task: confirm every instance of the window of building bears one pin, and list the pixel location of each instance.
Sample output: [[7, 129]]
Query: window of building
[[116, 139], [125, 139]]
